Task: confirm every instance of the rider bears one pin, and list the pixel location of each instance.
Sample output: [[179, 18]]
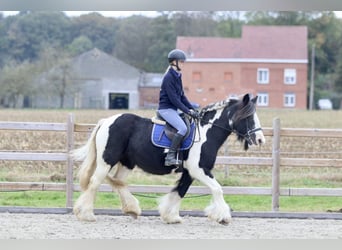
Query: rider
[[171, 98]]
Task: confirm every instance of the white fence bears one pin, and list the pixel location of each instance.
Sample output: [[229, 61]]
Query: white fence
[[276, 161]]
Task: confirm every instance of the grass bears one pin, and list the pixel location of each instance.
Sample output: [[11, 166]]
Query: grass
[[328, 177], [190, 202]]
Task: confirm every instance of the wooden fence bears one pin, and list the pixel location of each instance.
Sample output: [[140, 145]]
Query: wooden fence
[[276, 161]]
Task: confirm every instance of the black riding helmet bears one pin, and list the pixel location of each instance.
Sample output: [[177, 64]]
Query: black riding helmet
[[176, 55]]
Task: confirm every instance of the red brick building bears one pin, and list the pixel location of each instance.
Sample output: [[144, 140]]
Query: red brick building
[[268, 61]]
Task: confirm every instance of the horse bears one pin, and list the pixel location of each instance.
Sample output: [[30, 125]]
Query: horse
[[122, 142]]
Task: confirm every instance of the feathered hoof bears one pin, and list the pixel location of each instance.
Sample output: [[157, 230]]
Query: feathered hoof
[[174, 220], [225, 222], [133, 210], [84, 216], [133, 214], [220, 214]]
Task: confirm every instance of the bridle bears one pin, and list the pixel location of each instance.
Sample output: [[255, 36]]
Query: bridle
[[247, 136]]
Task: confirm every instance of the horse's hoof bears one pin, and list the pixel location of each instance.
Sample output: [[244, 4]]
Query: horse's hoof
[[132, 214], [84, 217], [176, 220], [89, 218], [224, 222]]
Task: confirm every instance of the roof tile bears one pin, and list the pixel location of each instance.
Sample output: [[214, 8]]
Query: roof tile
[[257, 42]]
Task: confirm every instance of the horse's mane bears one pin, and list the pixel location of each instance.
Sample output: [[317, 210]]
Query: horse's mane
[[242, 111], [215, 106]]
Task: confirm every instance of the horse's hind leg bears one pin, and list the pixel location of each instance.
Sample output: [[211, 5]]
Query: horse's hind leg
[[84, 205], [130, 205]]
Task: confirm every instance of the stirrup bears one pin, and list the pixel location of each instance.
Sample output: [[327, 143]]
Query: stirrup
[[173, 162]]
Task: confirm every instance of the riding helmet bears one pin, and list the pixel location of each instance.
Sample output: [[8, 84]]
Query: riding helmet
[[176, 54]]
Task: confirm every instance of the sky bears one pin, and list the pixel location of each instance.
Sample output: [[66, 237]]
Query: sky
[[103, 13], [121, 13]]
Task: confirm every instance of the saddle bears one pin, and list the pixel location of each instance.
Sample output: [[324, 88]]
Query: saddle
[[163, 132]]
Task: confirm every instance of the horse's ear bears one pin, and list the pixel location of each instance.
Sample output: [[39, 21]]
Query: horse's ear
[[254, 100], [246, 99]]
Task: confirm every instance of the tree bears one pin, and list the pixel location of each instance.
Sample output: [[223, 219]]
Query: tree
[[16, 83], [79, 45], [229, 24], [195, 23], [132, 41], [338, 81], [162, 40], [337, 94], [101, 31], [58, 79], [27, 33]]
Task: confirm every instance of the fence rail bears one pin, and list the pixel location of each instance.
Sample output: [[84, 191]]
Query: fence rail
[[161, 189], [275, 161]]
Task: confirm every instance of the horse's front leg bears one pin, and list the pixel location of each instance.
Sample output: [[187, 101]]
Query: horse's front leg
[[169, 204], [218, 210]]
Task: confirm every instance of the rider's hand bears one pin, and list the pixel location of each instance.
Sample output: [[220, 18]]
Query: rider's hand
[[194, 114]]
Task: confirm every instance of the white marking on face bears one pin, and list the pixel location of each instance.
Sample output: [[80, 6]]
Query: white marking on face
[[259, 135]]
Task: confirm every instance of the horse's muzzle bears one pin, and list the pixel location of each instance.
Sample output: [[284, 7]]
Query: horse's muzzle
[[256, 137]]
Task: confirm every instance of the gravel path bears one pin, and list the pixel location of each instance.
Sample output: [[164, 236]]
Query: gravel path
[[66, 226]]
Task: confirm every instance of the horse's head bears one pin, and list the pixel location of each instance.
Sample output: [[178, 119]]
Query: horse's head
[[244, 121]]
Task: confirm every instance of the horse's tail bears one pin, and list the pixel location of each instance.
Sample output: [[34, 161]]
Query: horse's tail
[[87, 154]]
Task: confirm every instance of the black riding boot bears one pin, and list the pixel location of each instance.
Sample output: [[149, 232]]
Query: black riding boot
[[170, 158]]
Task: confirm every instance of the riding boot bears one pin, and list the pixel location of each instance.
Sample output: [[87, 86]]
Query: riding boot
[[170, 158]]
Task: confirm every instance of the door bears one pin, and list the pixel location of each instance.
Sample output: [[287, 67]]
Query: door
[[118, 101]]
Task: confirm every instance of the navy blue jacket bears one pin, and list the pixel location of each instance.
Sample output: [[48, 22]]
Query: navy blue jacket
[[172, 94]]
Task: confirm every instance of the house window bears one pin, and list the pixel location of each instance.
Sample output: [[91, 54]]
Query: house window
[[228, 76], [290, 76], [196, 76], [289, 100], [262, 99], [263, 76]]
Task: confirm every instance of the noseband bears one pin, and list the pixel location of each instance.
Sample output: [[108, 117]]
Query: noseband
[[247, 136], [249, 133]]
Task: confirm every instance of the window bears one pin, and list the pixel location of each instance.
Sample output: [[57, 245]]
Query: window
[[262, 99], [290, 76], [263, 76], [196, 76], [289, 100]]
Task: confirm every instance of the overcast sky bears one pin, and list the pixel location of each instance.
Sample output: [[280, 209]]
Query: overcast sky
[[103, 13], [121, 13]]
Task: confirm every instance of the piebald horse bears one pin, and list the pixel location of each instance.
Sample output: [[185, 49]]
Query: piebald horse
[[119, 143]]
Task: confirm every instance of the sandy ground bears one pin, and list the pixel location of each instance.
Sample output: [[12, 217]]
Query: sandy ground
[[66, 226]]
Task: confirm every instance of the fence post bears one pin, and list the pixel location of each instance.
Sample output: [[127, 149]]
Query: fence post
[[276, 165], [70, 163]]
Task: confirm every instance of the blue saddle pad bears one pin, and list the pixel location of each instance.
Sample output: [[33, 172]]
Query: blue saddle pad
[[160, 139]]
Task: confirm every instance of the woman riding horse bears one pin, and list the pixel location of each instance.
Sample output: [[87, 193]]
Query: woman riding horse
[[172, 98], [122, 142]]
